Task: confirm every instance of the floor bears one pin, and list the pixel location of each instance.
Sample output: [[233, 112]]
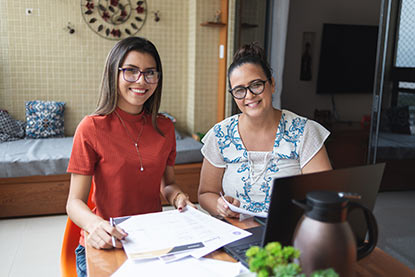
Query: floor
[[395, 214], [31, 246]]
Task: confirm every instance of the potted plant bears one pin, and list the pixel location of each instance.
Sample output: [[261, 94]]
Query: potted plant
[[275, 260]]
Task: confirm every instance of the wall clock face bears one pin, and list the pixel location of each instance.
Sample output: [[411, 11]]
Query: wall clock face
[[114, 19]]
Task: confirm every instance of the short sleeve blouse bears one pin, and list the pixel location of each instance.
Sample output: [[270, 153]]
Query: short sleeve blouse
[[248, 174], [103, 149]]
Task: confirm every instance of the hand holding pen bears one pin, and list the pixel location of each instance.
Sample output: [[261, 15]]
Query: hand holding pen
[[115, 234], [105, 235], [112, 237]]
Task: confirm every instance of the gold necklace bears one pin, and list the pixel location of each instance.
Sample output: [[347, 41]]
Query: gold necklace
[[131, 137]]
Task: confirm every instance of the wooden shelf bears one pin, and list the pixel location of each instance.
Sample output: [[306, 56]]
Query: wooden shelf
[[212, 24]]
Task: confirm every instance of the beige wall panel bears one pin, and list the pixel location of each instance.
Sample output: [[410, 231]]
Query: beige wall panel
[[40, 60]]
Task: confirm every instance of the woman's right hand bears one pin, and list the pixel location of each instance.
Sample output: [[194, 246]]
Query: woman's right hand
[[99, 231], [223, 209], [101, 235]]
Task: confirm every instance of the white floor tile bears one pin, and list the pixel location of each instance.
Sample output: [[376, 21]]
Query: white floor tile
[[11, 233], [33, 246]]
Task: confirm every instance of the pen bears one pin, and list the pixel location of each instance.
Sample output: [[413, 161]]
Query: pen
[[112, 237]]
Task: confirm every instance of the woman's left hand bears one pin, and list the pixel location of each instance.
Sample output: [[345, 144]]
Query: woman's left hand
[[181, 201]]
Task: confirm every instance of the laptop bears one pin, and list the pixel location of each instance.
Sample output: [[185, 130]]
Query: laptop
[[283, 215]]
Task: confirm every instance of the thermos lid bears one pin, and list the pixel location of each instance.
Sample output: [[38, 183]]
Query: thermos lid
[[326, 206]]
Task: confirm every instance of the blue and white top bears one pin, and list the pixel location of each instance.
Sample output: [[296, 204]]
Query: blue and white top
[[248, 174]]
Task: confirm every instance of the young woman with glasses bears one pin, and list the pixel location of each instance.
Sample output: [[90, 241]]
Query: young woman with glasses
[[243, 153], [125, 147]]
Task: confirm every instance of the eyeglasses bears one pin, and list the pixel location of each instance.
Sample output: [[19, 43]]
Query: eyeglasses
[[256, 87], [133, 74]]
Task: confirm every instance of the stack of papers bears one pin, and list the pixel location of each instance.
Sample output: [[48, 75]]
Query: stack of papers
[[186, 267], [174, 240]]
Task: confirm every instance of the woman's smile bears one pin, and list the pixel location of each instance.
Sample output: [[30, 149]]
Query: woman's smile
[[253, 104], [138, 91]]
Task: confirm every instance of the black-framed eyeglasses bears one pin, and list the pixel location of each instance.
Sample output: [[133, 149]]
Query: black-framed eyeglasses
[[133, 74], [256, 87]]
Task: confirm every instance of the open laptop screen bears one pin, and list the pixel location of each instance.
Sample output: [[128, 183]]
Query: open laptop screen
[[283, 215]]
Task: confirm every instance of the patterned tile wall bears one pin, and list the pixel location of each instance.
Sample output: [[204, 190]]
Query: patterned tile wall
[[40, 60], [206, 73], [191, 48]]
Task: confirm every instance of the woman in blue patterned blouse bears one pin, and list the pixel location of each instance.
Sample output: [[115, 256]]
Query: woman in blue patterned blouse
[[244, 152]]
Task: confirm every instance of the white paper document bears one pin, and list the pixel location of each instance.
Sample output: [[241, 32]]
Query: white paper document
[[236, 209], [165, 233], [188, 267], [215, 233]]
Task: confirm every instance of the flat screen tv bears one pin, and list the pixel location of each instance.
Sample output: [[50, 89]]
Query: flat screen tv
[[347, 59]]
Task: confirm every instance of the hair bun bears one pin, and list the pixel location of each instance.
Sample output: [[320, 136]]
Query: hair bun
[[252, 49]]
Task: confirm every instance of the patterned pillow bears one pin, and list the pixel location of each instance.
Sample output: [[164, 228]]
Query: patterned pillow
[[399, 119], [44, 119], [10, 129], [169, 116]]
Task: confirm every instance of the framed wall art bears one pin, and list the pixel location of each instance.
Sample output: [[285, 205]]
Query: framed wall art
[[306, 72], [114, 19]]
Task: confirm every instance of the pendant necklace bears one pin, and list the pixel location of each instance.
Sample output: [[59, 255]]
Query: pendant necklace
[[131, 137], [261, 173]]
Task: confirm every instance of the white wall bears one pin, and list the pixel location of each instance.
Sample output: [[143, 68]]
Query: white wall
[[309, 16]]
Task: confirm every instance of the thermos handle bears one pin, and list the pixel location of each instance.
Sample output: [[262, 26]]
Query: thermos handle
[[302, 204], [372, 227]]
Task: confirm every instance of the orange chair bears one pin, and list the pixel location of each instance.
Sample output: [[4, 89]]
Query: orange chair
[[70, 242]]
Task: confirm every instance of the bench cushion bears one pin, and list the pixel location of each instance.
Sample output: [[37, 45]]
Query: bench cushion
[[29, 157], [188, 151]]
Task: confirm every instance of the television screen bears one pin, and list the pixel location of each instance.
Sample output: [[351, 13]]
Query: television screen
[[347, 59]]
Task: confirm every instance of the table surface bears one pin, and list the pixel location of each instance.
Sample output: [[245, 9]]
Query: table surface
[[378, 263]]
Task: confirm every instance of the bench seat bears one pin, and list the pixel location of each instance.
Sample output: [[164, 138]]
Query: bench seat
[[33, 178]]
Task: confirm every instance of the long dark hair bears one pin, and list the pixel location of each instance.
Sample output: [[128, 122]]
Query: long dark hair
[[108, 96], [251, 53]]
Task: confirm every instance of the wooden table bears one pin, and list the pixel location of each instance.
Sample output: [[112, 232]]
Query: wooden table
[[105, 262]]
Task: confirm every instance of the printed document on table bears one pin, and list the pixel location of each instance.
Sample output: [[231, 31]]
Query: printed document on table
[[163, 233], [224, 233], [188, 267], [236, 209]]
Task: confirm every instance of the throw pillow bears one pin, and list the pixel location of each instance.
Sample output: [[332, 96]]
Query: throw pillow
[[178, 135], [44, 119], [385, 125], [169, 116], [411, 110], [10, 128], [398, 118]]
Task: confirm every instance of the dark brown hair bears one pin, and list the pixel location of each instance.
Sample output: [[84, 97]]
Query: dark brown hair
[[108, 94], [251, 53]]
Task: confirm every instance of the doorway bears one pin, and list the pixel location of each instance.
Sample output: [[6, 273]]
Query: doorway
[[252, 21], [393, 118]]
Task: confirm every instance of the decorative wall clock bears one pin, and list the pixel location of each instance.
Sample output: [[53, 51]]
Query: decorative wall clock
[[114, 19]]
